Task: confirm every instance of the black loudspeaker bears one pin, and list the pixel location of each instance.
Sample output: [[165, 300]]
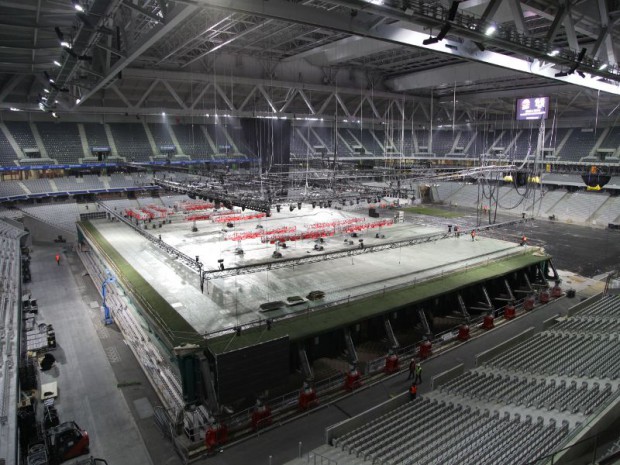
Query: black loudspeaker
[[520, 178], [570, 293]]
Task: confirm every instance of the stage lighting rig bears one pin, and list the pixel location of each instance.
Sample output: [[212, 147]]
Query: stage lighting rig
[[446, 27]]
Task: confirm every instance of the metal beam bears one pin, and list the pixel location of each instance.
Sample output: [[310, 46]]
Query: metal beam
[[175, 96], [175, 17], [118, 92], [227, 42], [248, 97], [182, 76], [517, 14], [344, 107], [9, 86], [110, 49], [200, 94], [28, 6], [285, 11], [569, 28], [139, 9], [261, 89], [447, 75], [557, 22], [307, 101], [224, 97], [490, 10], [147, 93], [609, 47]]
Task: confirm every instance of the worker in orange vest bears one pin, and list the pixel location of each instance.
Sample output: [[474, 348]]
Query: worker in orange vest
[[58, 259], [473, 234], [523, 241], [413, 391]]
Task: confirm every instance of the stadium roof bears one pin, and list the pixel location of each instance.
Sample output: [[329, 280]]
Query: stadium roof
[[357, 59]]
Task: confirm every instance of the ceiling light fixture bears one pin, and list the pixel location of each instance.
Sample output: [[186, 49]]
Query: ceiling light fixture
[[602, 67], [554, 53], [56, 63], [490, 30]]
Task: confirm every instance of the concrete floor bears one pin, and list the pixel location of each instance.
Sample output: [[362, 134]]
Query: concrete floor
[[93, 365], [227, 302]]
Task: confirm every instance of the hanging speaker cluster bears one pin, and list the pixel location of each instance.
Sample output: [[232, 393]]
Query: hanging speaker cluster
[[594, 179]]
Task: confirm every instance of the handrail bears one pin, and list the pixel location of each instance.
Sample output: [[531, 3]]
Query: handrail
[[260, 322]]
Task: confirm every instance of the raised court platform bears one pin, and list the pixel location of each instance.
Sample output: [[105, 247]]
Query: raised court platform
[[356, 287]]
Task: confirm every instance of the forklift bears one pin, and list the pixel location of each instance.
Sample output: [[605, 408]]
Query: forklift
[[62, 442]]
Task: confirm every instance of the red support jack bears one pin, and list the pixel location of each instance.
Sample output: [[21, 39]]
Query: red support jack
[[392, 363], [352, 380], [425, 349], [488, 322], [216, 435], [261, 416], [556, 291], [528, 303], [307, 398], [544, 296], [463, 333], [510, 311]]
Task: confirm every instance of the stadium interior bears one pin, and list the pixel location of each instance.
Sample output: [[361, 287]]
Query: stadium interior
[[335, 232]]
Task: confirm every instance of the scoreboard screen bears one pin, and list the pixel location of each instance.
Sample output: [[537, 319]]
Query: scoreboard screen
[[532, 108]]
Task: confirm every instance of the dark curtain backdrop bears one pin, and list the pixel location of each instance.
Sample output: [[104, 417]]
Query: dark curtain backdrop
[[269, 139]]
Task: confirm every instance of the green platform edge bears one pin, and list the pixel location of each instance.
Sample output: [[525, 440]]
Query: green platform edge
[[314, 323], [309, 324], [176, 330]]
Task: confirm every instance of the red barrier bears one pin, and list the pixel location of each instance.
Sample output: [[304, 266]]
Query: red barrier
[[195, 205], [234, 218], [198, 217], [259, 233], [139, 215], [296, 237], [333, 224], [362, 227]]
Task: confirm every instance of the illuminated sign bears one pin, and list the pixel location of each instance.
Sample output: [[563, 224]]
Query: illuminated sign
[[532, 108]]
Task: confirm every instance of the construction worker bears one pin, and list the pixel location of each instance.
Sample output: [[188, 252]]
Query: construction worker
[[473, 235], [418, 374], [58, 259], [457, 231], [413, 391], [411, 369], [523, 241]]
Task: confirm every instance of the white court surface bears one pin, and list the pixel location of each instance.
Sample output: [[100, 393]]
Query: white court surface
[[227, 302]]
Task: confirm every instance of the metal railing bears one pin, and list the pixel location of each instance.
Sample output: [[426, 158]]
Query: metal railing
[[459, 266]]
